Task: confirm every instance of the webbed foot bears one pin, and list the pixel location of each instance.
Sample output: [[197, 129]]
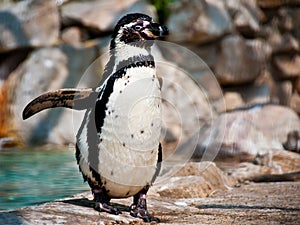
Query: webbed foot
[[139, 209], [106, 207], [102, 203]]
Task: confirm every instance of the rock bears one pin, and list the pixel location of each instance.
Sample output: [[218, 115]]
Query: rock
[[281, 43], [4, 3], [195, 68], [256, 94], [251, 55], [181, 97], [243, 134], [73, 35], [285, 92], [102, 15], [280, 162], [292, 142], [280, 92], [295, 102], [7, 142], [28, 23], [246, 95], [297, 85], [266, 79], [186, 83], [245, 171], [252, 203], [198, 21], [295, 15], [194, 180], [286, 161], [295, 176], [269, 4], [233, 100], [186, 187], [209, 171], [207, 52], [287, 66], [285, 22], [245, 16], [286, 121], [9, 62], [45, 69]]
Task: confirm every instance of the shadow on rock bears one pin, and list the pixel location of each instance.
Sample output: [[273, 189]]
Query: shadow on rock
[[84, 202]]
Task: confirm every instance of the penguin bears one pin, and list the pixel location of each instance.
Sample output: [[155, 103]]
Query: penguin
[[118, 146]]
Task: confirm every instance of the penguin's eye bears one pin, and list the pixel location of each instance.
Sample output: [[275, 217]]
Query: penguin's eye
[[137, 27]]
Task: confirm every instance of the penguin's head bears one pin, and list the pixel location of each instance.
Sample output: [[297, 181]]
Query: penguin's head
[[137, 27]]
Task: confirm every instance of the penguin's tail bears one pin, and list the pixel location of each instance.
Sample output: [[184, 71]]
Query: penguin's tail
[[78, 99]]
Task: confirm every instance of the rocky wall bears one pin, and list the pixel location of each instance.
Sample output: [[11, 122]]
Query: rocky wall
[[252, 47]]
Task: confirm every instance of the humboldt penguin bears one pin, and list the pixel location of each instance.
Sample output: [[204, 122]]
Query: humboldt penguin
[[118, 146]]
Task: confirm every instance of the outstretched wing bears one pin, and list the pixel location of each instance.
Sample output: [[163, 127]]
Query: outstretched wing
[[77, 99]]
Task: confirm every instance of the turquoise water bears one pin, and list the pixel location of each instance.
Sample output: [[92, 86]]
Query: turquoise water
[[29, 177]]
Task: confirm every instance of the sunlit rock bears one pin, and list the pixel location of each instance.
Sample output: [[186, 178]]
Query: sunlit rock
[[240, 61], [198, 21]]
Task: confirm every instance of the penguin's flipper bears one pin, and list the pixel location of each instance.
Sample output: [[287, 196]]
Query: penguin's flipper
[[78, 99]]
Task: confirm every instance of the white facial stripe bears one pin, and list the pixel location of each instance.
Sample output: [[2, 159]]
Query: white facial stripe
[[130, 24], [146, 23]]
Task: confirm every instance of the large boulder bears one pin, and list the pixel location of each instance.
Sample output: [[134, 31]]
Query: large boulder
[[198, 21], [194, 180], [240, 61], [28, 23], [244, 134]]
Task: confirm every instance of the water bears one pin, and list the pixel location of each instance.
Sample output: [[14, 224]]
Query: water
[[29, 177]]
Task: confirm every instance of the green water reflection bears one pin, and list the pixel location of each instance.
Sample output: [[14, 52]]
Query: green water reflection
[[30, 176]]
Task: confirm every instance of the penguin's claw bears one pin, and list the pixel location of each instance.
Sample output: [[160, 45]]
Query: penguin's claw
[[102, 202], [105, 207], [139, 208], [142, 213]]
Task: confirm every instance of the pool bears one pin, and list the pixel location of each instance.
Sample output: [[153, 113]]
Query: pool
[[33, 176]]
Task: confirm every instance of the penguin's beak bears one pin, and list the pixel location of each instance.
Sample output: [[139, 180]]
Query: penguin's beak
[[156, 30]]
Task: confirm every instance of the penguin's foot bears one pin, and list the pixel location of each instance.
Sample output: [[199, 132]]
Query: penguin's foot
[[106, 207], [102, 203], [139, 209]]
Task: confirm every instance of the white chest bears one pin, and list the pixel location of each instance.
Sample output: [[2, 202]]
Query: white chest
[[131, 131]]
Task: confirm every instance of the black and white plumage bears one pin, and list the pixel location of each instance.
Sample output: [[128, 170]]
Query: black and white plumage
[[118, 149]]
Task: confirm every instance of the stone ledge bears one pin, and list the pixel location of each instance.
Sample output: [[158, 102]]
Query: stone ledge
[[277, 203]]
